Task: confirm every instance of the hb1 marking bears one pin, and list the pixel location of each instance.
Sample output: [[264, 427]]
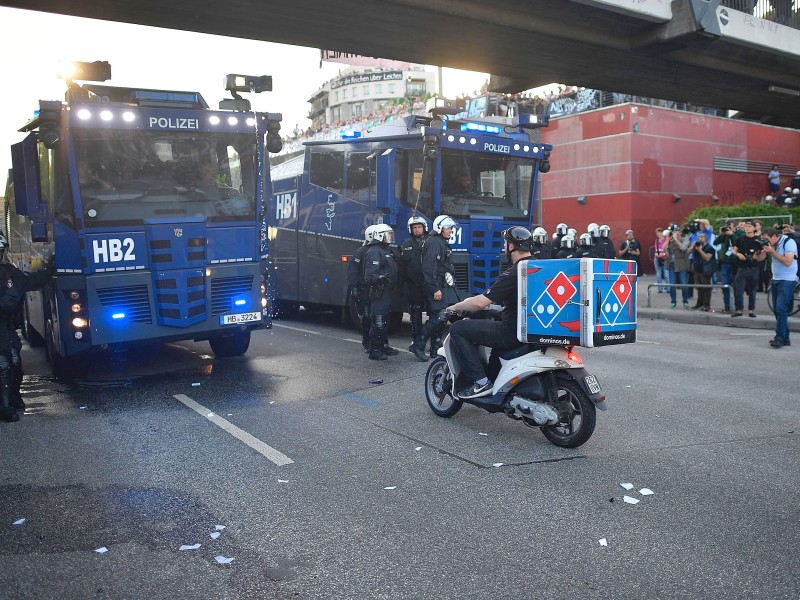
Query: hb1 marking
[[286, 205]]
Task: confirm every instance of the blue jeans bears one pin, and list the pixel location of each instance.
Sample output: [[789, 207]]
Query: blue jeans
[[782, 292], [726, 277], [662, 276], [681, 278]]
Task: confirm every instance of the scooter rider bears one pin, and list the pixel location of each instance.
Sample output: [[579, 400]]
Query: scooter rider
[[356, 288], [438, 271], [467, 335], [380, 275], [411, 269]]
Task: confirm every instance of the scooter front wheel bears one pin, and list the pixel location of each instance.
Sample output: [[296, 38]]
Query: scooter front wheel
[[438, 386], [577, 416]]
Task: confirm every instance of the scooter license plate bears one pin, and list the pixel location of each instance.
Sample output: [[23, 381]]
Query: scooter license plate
[[593, 385]]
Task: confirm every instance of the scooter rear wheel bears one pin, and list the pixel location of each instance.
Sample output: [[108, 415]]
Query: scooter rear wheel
[[438, 386], [578, 416]]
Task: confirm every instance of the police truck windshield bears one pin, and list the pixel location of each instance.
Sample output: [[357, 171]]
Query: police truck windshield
[[130, 176], [485, 184]]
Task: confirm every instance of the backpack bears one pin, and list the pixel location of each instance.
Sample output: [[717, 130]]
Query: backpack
[[796, 242]]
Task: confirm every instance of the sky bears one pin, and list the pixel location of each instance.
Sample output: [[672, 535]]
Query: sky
[[150, 57]]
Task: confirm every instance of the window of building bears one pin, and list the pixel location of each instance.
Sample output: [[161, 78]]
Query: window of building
[[378, 88], [391, 89], [355, 92], [366, 90]]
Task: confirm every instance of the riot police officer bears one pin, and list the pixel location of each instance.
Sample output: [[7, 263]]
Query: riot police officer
[[561, 232], [586, 247], [13, 285], [439, 274], [357, 290], [605, 247], [411, 270], [567, 248], [541, 248], [380, 276]]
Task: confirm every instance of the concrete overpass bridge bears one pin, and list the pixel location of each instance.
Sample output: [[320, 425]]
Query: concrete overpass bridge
[[742, 55]]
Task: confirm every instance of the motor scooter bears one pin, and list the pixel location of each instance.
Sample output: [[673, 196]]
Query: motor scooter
[[545, 387]]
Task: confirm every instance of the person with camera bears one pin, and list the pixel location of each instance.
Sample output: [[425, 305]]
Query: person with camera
[[660, 257], [630, 249], [783, 251], [723, 244], [677, 263], [704, 264], [748, 250]]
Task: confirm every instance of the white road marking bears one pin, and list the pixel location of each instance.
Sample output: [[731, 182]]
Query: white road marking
[[297, 329], [265, 450]]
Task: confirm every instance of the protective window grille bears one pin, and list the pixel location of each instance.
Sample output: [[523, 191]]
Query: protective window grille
[[132, 300]]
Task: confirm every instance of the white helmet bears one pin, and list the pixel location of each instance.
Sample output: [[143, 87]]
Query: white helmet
[[417, 220], [368, 234], [540, 235], [586, 239], [788, 190], [567, 242], [796, 191], [768, 199], [572, 232], [382, 234], [605, 231], [594, 229], [443, 222], [561, 229]]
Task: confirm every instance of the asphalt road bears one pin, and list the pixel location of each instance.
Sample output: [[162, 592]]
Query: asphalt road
[[330, 486]]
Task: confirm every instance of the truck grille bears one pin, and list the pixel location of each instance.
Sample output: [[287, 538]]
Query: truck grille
[[225, 289], [132, 300]]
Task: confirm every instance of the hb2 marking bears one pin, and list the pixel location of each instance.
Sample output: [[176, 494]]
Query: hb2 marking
[[112, 250]]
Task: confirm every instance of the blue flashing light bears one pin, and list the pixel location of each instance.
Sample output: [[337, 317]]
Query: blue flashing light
[[482, 128], [118, 315], [325, 280], [239, 302], [349, 134]]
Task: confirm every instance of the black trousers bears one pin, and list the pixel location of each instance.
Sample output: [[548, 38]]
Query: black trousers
[[466, 335]]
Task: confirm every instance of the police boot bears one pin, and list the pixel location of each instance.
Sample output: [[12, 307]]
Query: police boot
[[436, 343], [418, 347], [365, 326], [16, 396], [376, 344], [7, 412], [415, 314], [389, 351]]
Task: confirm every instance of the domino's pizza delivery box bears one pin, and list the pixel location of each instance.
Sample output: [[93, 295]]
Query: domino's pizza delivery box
[[586, 302]]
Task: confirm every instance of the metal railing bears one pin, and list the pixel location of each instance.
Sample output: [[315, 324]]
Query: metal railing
[[784, 12], [687, 285]]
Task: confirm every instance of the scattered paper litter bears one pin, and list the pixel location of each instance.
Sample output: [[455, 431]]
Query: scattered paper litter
[[18, 522], [272, 401], [603, 542], [391, 487], [219, 527], [376, 381], [188, 547], [646, 492], [630, 500], [283, 481], [481, 433], [627, 486], [627, 386], [418, 448], [84, 407], [102, 550], [215, 535], [223, 560], [196, 384], [230, 414], [495, 465]]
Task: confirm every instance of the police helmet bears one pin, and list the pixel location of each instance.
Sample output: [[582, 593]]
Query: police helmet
[[382, 234], [368, 234], [605, 231], [540, 235], [572, 232], [561, 229], [567, 242], [796, 191], [788, 190], [594, 229], [443, 222], [519, 236], [586, 239], [417, 220]]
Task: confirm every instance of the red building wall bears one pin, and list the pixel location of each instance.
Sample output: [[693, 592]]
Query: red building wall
[[631, 162]]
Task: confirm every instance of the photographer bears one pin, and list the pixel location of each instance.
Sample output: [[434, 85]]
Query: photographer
[[630, 249], [678, 264], [727, 267], [783, 251], [748, 249], [704, 265]]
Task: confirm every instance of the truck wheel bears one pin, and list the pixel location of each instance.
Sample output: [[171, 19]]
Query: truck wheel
[[64, 369], [232, 345]]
